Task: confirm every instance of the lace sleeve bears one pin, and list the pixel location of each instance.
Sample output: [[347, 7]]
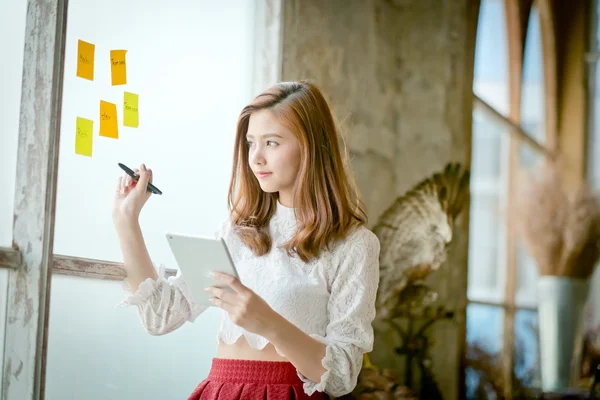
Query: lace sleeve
[[351, 310], [163, 304]]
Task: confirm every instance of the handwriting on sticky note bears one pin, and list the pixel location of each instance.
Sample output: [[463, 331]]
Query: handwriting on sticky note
[[85, 60], [130, 110], [118, 67], [83, 136], [108, 120]]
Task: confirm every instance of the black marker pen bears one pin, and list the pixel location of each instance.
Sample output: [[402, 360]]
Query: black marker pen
[[150, 187]]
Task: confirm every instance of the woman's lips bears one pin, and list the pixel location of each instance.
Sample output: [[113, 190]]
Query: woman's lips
[[263, 174]]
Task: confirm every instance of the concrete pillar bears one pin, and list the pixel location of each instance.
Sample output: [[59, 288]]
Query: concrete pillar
[[399, 76]]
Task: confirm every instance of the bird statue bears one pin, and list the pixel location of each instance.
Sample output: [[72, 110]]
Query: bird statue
[[414, 233]]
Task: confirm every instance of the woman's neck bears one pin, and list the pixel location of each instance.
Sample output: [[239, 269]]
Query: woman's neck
[[286, 200]]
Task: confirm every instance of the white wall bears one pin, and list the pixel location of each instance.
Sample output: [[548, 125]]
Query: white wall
[[191, 64], [12, 39]]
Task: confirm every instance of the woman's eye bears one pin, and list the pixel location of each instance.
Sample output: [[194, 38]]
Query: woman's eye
[[271, 143], [249, 143]]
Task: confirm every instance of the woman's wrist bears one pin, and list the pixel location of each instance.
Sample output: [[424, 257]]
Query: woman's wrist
[[277, 328], [126, 225]]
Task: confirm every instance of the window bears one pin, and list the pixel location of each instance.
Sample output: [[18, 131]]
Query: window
[[489, 158], [593, 157], [502, 355]]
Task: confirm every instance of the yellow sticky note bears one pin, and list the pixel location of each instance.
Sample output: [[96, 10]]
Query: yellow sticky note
[[108, 120], [118, 67], [130, 110], [83, 136], [85, 60]]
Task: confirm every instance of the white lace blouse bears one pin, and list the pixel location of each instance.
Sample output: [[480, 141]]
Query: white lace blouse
[[331, 298]]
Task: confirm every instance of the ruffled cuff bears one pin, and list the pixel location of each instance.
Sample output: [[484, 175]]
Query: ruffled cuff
[[145, 290], [309, 386], [178, 282]]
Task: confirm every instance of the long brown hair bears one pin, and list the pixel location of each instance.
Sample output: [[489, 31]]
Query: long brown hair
[[326, 201]]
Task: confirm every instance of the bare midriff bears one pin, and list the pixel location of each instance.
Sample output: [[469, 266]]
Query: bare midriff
[[241, 350]]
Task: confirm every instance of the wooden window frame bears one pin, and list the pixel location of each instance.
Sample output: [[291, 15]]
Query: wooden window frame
[[565, 121], [29, 286], [517, 14], [31, 262]]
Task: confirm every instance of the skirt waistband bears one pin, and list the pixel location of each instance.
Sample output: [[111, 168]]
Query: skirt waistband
[[250, 371]]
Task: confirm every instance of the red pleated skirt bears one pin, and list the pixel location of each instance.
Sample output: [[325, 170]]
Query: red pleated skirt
[[252, 380]]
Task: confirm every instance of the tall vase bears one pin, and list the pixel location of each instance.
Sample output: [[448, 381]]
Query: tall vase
[[560, 304]]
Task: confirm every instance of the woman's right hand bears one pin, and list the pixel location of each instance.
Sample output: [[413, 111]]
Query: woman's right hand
[[130, 197]]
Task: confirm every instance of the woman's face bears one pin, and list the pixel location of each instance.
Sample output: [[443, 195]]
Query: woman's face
[[274, 155]]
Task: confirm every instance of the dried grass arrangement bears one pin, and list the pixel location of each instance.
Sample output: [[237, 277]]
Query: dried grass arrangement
[[561, 230]]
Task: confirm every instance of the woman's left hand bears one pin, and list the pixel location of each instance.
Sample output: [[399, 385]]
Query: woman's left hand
[[245, 308]]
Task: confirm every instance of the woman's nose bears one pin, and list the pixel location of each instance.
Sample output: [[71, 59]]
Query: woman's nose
[[257, 156]]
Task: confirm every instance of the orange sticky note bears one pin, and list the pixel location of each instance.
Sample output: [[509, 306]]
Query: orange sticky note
[[83, 136], [130, 110], [118, 67], [85, 60], [108, 120]]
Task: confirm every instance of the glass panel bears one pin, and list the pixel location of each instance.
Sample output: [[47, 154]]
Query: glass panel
[[484, 346], [188, 62], [12, 45], [489, 158], [527, 278], [526, 352], [486, 275], [12, 20], [593, 320], [490, 145], [533, 122], [186, 120], [532, 95], [97, 352], [491, 56]]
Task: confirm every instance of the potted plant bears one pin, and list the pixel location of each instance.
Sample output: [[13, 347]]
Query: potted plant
[[561, 231]]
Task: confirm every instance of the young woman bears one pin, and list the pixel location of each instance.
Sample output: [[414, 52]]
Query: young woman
[[299, 319]]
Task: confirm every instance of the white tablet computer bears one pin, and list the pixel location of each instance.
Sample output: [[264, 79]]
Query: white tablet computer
[[197, 257]]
